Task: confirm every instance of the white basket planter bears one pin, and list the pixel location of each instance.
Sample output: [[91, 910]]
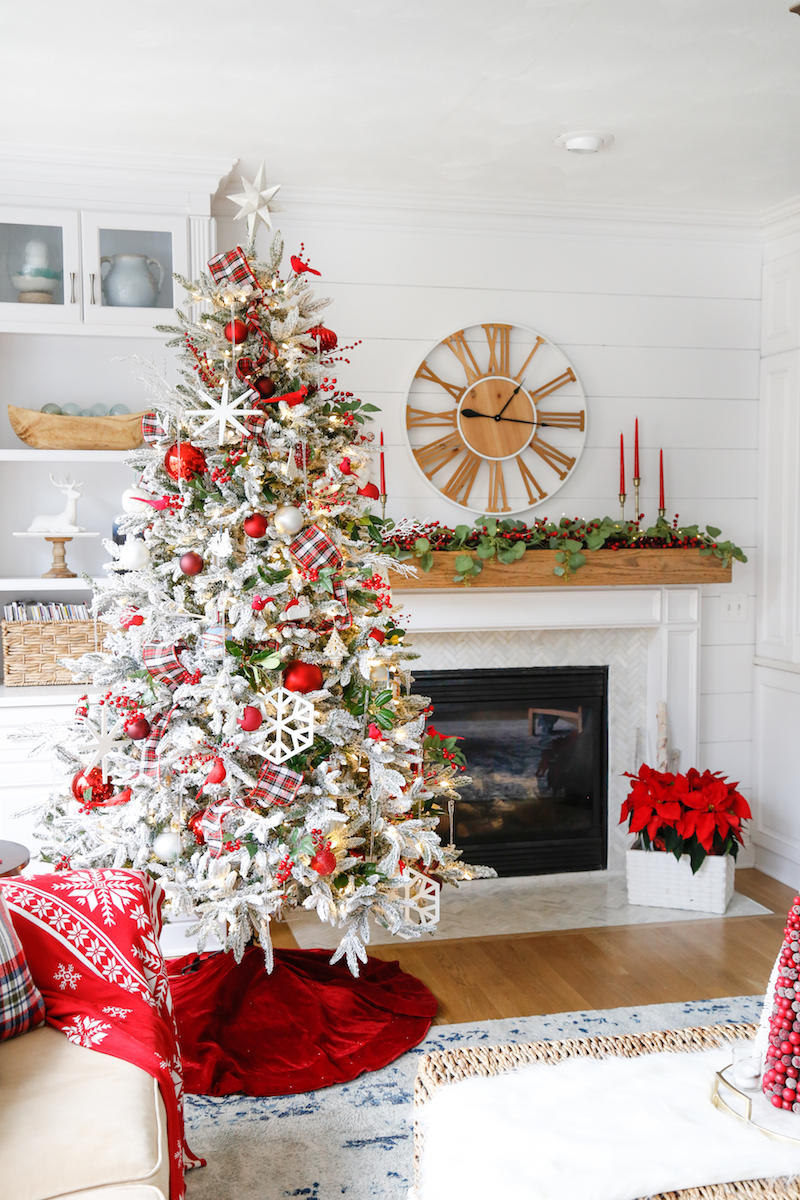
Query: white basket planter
[[657, 879]]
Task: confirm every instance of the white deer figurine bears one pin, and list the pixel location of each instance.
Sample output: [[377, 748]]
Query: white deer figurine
[[63, 522]]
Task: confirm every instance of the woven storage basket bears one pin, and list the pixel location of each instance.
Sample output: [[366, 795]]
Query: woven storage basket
[[31, 650]]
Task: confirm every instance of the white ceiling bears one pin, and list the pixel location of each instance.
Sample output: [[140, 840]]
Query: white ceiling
[[436, 97]]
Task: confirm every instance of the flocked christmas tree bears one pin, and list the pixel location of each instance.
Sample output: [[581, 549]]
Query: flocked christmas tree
[[254, 742]]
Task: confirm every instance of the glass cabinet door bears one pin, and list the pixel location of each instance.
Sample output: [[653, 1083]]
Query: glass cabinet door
[[40, 277], [128, 262]]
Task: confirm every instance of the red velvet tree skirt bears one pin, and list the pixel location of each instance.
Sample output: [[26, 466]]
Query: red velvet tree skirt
[[305, 1026]]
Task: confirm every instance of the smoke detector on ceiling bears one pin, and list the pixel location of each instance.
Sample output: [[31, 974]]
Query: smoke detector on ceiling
[[584, 141]]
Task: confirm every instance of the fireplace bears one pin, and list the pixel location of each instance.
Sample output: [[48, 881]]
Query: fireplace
[[536, 744]]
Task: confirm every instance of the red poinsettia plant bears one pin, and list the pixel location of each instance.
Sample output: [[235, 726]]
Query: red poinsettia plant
[[695, 814]]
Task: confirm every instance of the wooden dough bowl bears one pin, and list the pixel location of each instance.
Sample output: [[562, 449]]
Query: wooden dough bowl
[[48, 431]]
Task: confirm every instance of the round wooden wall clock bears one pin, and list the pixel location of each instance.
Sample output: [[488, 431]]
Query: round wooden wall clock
[[513, 414]]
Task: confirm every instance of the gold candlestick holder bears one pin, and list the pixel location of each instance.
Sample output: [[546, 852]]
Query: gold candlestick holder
[[662, 512], [383, 506], [636, 483], [622, 498]]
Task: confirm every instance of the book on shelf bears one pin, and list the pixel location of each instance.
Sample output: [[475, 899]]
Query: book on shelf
[[20, 610]]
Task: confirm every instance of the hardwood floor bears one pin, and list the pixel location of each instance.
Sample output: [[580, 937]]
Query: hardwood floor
[[525, 975]]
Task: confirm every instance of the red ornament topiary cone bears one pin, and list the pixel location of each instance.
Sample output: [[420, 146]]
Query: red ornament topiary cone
[[780, 1082]]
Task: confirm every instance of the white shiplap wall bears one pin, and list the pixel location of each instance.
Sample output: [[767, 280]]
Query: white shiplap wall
[[660, 323], [664, 327]]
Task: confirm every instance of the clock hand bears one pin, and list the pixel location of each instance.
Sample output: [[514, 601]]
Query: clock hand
[[508, 401], [470, 412]]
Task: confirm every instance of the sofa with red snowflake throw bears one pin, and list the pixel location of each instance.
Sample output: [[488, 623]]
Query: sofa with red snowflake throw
[[91, 1102]]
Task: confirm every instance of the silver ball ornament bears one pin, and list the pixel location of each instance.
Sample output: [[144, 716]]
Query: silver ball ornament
[[288, 519], [167, 846]]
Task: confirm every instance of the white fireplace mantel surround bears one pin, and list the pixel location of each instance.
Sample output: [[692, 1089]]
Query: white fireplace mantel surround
[[670, 617]]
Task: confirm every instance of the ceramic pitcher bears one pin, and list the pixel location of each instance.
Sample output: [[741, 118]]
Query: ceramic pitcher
[[129, 282]]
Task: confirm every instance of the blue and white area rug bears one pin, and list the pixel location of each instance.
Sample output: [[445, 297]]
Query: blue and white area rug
[[356, 1139]]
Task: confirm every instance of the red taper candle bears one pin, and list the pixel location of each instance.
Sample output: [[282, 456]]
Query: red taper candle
[[636, 474], [661, 503], [621, 465], [383, 469]]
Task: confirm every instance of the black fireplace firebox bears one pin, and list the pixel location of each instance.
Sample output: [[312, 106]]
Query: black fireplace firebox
[[536, 744]]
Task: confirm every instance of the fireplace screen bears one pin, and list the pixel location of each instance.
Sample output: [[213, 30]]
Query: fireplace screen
[[535, 740]]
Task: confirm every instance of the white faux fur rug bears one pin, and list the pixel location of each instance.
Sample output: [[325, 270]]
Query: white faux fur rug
[[355, 1140], [586, 1129]]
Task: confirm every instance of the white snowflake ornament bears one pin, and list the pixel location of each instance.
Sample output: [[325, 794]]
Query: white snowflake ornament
[[290, 730], [224, 411], [104, 741], [421, 899]]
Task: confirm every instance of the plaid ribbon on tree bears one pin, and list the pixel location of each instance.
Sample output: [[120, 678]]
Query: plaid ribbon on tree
[[255, 427], [345, 620], [148, 763], [152, 429], [278, 785], [211, 823], [161, 660], [315, 550], [232, 266]]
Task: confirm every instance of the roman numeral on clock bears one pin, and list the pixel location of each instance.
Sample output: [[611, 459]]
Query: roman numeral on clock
[[463, 478], [458, 344], [420, 417], [497, 489], [430, 376], [434, 456], [521, 373], [547, 388], [562, 420], [529, 480], [561, 463], [499, 339]]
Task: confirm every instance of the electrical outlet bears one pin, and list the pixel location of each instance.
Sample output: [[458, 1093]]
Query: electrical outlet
[[734, 606]]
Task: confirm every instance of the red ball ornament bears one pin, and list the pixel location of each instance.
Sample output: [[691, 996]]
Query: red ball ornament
[[92, 780], [326, 337], [369, 490], [184, 461], [251, 718], [324, 862], [236, 331], [256, 525], [138, 728], [302, 677], [264, 386], [191, 563]]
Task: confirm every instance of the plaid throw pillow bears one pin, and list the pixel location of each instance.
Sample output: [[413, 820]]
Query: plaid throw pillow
[[21, 1003]]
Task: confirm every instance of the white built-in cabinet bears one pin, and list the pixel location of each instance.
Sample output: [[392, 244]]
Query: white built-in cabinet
[[77, 210], [777, 673]]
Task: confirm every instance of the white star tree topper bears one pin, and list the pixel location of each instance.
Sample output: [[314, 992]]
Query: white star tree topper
[[104, 741], [225, 410], [256, 201]]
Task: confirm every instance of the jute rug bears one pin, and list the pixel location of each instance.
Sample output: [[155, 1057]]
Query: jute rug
[[356, 1140]]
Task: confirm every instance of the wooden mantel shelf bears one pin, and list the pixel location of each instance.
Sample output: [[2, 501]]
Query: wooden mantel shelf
[[604, 568]]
